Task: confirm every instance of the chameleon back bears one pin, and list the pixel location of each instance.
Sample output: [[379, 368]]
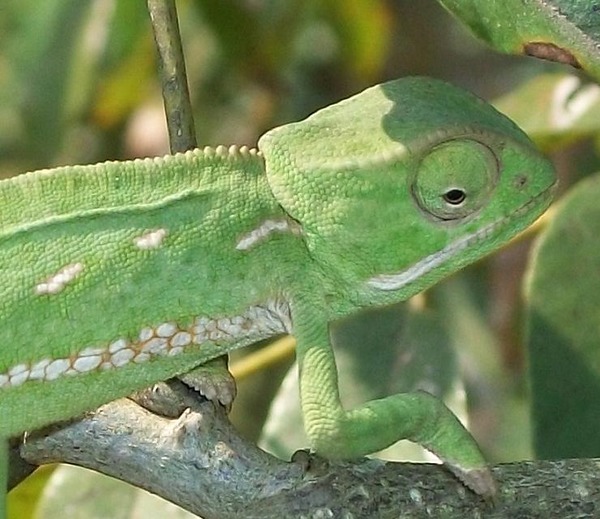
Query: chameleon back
[[109, 267]]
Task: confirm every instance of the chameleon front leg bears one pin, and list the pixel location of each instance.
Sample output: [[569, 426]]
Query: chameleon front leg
[[3, 476], [419, 417]]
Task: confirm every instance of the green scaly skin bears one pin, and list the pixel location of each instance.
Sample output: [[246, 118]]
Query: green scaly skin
[[375, 199]]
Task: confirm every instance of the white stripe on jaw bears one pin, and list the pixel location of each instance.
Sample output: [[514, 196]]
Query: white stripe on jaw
[[429, 263]]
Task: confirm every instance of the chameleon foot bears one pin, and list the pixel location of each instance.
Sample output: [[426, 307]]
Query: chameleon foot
[[213, 381], [481, 481]]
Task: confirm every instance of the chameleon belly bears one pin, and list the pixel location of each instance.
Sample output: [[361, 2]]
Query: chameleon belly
[[162, 340]]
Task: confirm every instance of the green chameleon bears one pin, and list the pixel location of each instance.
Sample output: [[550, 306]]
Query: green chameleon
[[118, 275]]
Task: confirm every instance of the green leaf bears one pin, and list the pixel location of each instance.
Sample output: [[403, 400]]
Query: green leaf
[[563, 317], [554, 109], [565, 31], [94, 496], [41, 49], [364, 29]]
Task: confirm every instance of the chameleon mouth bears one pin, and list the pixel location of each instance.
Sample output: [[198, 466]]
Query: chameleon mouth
[[389, 282]]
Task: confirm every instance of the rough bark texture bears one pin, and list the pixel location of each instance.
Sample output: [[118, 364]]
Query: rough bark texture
[[199, 462]]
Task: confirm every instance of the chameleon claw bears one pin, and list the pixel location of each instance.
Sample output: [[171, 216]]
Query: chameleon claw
[[479, 480]]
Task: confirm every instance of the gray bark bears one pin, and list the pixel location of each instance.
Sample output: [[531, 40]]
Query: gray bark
[[198, 461]]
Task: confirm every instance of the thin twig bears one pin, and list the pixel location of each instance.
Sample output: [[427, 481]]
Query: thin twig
[[176, 96]]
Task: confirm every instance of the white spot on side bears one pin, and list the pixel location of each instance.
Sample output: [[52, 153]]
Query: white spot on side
[[86, 352], [569, 102], [18, 374], [56, 368], [118, 345], [150, 240], [57, 282], [181, 339], [17, 370], [167, 330], [257, 235], [87, 363], [122, 357], [141, 357], [175, 351], [146, 334], [38, 370], [17, 380], [155, 346]]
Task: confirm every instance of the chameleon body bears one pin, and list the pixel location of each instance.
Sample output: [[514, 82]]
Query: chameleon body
[[118, 275]]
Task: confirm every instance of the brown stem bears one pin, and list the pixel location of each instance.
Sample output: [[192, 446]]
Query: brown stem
[[178, 108]]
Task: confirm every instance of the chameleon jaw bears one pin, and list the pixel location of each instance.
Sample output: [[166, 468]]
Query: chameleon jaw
[[398, 280], [389, 282]]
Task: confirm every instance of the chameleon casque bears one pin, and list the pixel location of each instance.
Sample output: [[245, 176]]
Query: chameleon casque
[[117, 275]]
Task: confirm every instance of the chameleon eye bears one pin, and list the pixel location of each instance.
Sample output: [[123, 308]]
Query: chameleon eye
[[455, 179], [455, 196]]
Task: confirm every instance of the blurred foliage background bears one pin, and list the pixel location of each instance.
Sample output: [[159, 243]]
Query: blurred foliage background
[[79, 84], [78, 79]]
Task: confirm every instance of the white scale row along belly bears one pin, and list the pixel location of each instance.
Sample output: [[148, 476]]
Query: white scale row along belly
[[165, 339]]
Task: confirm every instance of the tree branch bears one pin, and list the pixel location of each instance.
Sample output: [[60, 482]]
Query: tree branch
[[199, 462]]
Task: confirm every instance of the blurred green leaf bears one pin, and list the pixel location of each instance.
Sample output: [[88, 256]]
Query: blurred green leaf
[[563, 322], [497, 410], [41, 50], [121, 71], [364, 29], [565, 31], [79, 493], [23, 500], [555, 110]]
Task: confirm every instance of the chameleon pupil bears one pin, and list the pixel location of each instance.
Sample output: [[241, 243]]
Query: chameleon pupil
[[455, 196]]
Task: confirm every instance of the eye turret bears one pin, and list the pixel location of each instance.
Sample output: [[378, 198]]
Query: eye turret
[[455, 179]]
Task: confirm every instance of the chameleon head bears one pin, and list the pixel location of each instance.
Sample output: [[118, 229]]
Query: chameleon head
[[404, 183]]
